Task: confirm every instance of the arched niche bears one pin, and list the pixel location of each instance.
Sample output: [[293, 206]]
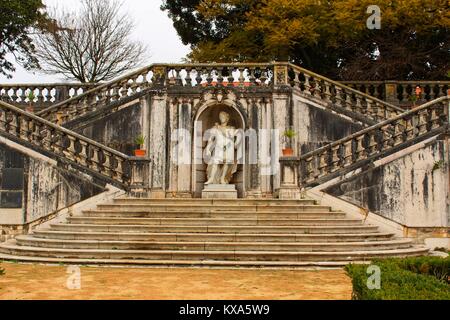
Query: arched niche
[[206, 118]]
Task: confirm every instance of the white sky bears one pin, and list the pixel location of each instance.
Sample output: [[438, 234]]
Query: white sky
[[153, 27]]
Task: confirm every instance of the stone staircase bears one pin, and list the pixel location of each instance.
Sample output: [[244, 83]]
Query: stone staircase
[[211, 233]]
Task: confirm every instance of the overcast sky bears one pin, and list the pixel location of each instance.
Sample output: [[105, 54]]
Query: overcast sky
[[153, 27]]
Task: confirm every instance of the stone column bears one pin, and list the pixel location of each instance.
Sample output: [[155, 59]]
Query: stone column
[[158, 145], [281, 123], [145, 124], [253, 185], [185, 148], [172, 162]]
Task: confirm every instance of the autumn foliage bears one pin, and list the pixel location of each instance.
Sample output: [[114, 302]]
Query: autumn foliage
[[329, 37]]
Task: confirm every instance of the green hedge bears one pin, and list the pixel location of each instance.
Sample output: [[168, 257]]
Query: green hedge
[[424, 278]]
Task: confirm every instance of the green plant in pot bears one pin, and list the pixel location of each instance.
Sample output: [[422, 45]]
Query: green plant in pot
[[31, 98], [140, 142], [288, 136]]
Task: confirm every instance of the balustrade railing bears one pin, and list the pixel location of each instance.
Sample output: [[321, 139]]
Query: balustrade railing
[[340, 96], [71, 148], [42, 95], [158, 76], [402, 93], [374, 142]]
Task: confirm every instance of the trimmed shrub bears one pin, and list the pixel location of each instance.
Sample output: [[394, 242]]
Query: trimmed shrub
[[403, 279]]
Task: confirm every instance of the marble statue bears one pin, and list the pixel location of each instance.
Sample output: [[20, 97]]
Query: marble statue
[[221, 151]]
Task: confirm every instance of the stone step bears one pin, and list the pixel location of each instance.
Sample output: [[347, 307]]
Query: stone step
[[181, 263], [214, 214], [31, 241], [215, 202], [11, 248], [214, 229], [213, 221], [212, 208], [210, 237]]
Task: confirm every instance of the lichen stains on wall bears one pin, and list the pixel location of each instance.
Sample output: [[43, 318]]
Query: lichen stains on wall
[[317, 127], [45, 188], [51, 189], [117, 130], [409, 190]]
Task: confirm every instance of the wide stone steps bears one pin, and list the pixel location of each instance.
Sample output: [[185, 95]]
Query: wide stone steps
[[212, 246], [214, 208], [12, 248], [214, 202], [210, 237], [213, 221], [212, 233], [183, 263], [215, 229], [186, 213]]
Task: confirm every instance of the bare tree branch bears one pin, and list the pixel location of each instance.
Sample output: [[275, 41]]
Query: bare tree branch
[[91, 45]]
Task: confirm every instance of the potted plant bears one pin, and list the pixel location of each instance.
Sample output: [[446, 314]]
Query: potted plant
[[31, 98], [288, 136], [140, 141]]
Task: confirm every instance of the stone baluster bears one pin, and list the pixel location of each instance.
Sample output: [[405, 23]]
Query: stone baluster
[[310, 172], [435, 120], [348, 153], [409, 128], [422, 123], [335, 158], [307, 84], [361, 152], [373, 145], [83, 156], [323, 163], [327, 92]]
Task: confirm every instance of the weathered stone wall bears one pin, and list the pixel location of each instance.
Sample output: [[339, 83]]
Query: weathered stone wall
[[412, 190], [117, 130], [317, 127], [38, 189], [48, 189]]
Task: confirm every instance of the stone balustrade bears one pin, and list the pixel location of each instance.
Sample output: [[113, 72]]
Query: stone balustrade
[[43, 95], [400, 92], [338, 95], [159, 76], [73, 149], [372, 143]]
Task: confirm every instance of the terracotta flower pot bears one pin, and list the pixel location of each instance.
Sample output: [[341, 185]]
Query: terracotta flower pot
[[288, 152], [140, 153]]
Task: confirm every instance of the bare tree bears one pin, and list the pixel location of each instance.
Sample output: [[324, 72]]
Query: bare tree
[[91, 45]]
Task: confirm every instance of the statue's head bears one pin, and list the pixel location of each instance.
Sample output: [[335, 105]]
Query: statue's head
[[224, 117]]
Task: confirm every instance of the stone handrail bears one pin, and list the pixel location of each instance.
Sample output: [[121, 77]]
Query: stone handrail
[[73, 149], [399, 92], [371, 143], [339, 95], [44, 94], [158, 76]]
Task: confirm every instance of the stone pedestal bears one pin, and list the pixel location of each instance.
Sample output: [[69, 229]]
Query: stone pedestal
[[289, 188], [220, 191]]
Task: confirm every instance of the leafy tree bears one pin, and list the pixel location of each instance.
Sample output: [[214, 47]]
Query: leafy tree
[[17, 20], [329, 37]]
